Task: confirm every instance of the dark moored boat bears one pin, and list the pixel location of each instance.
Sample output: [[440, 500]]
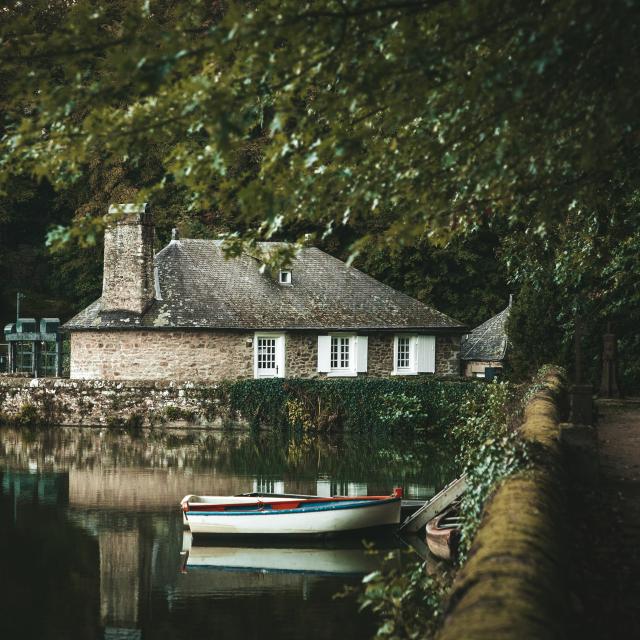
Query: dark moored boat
[[443, 533]]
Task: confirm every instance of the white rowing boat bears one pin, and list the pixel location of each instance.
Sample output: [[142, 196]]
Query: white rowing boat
[[291, 515]]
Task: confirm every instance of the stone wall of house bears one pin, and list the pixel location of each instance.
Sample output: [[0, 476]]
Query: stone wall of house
[[474, 367], [380, 355], [211, 356], [448, 355], [302, 355], [203, 356]]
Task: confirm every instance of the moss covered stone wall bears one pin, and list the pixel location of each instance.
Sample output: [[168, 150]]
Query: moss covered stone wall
[[513, 583], [109, 403]]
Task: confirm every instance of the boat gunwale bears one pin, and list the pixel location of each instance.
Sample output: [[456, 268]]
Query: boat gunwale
[[261, 570], [313, 507]]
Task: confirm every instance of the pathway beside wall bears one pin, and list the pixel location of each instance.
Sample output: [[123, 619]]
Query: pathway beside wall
[[606, 538]]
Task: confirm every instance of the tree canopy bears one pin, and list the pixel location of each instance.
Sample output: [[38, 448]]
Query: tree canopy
[[416, 116]]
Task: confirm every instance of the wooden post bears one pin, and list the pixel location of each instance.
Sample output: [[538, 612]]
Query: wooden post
[[609, 382], [58, 356], [580, 394]]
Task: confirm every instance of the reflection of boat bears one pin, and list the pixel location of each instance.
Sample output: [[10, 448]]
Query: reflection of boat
[[289, 515], [300, 560], [443, 533], [346, 555]]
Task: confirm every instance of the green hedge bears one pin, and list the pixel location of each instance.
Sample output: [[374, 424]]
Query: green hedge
[[357, 403]]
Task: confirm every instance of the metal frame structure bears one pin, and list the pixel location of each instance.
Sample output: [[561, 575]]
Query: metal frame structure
[[34, 352]]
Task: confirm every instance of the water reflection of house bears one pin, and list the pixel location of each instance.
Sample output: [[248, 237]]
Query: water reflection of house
[[132, 489], [129, 512], [133, 552], [120, 581], [41, 488], [326, 488]]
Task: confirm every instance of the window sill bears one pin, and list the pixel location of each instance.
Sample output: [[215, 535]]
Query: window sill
[[404, 373], [342, 374]]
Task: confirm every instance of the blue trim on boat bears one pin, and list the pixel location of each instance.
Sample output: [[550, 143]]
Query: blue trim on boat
[[307, 572], [310, 508]]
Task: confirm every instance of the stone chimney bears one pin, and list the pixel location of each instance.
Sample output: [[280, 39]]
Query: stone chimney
[[128, 283]]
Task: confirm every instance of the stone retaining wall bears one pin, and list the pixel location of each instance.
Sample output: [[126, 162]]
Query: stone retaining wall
[[513, 583], [58, 401], [117, 403]]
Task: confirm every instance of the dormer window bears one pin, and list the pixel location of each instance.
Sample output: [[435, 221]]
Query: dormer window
[[285, 277]]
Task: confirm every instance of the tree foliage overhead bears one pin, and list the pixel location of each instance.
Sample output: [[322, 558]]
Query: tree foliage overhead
[[416, 116]]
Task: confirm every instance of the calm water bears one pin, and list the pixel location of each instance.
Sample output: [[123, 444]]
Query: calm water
[[92, 544]]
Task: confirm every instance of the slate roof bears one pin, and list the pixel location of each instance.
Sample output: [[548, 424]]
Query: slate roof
[[488, 342], [199, 288]]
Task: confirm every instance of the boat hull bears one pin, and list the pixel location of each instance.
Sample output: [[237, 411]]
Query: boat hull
[[442, 541], [342, 517]]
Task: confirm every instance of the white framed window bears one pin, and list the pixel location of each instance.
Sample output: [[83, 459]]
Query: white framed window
[[268, 355], [413, 354], [405, 355], [284, 277], [342, 354]]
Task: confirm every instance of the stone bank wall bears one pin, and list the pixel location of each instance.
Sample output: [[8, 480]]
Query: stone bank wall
[[513, 584], [109, 403]]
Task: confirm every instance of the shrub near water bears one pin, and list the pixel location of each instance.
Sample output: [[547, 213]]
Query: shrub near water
[[359, 403], [409, 601], [489, 449]]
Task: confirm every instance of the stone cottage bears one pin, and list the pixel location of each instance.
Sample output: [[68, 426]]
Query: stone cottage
[[190, 314], [483, 351]]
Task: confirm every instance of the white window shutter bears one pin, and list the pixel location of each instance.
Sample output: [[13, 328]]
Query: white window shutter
[[426, 352], [362, 347], [324, 354], [280, 356]]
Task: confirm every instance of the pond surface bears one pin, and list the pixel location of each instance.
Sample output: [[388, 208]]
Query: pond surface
[[92, 543]]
